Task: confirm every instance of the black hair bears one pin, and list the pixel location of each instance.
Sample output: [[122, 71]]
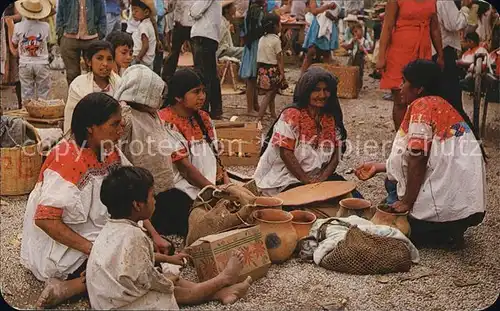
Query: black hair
[[429, 76], [270, 22], [93, 109], [122, 187], [97, 46], [472, 36], [120, 38], [226, 9], [181, 82], [483, 7], [356, 25], [140, 4]]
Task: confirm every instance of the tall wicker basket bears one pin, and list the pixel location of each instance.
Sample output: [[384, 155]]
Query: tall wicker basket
[[20, 166], [348, 79]]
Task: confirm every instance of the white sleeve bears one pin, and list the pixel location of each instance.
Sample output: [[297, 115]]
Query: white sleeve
[[277, 46], [451, 18], [15, 34]]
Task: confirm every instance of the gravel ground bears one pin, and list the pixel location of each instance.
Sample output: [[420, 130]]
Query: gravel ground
[[461, 280]]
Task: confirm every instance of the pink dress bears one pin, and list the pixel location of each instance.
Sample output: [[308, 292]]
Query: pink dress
[[411, 39]]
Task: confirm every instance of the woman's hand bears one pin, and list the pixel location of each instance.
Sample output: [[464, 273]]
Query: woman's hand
[[440, 61], [330, 16], [332, 6], [401, 207], [366, 171], [381, 63], [161, 245]]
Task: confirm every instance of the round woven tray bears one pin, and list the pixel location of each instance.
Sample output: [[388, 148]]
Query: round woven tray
[[316, 192], [51, 109]]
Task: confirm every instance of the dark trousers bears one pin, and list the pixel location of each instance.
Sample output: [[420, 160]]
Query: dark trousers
[[172, 212], [180, 34], [441, 234], [451, 90], [71, 51], [158, 60], [359, 60], [205, 60]]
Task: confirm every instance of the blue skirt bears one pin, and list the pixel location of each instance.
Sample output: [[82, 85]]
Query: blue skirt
[[248, 67], [321, 43]]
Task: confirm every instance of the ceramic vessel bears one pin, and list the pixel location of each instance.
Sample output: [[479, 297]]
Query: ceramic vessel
[[355, 206], [302, 221], [278, 231], [396, 220]]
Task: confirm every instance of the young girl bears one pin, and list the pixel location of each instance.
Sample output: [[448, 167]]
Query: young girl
[[271, 69], [122, 46], [252, 31], [195, 159], [100, 78]]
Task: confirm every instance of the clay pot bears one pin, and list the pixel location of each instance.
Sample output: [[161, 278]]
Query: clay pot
[[302, 222], [396, 220], [355, 206], [268, 202], [278, 232]]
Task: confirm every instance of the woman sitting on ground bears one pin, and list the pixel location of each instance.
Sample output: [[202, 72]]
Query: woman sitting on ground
[[436, 169], [64, 213], [100, 78], [195, 156], [121, 270], [306, 142]]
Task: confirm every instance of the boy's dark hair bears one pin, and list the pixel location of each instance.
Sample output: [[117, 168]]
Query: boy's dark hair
[[356, 25], [472, 36], [97, 46], [120, 38], [269, 23], [225, 10], [122, 187], [140, 4]]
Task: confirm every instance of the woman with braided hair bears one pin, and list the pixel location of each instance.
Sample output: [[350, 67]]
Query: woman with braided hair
[[195, 159]]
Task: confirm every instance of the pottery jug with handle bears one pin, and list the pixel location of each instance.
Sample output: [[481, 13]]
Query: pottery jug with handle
[[279, 234], [385, 216]]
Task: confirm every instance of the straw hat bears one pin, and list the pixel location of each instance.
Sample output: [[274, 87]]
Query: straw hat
[[35, 9], [227, 2], [351, 18], [151, 5]]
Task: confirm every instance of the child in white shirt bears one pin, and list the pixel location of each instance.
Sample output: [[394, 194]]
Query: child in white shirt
[[145, 37], [30, 39], [359, 46], [270, 65]]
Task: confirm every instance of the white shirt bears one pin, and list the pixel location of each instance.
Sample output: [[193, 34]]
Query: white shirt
[[32, 36], [451, 21], [147, 28], [207, 15], [351, 5], [269, 47], [181, 12]]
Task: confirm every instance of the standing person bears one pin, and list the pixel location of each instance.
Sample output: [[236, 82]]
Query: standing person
[[251, 33], [160, 30], [360, 46], [8, 56], [205, 35], [319, 46], [113, 14], [226, 45], [30, 38], [451, 22], [180, 34], [145, 37], [409, 26], [78, 23], [271, 68]]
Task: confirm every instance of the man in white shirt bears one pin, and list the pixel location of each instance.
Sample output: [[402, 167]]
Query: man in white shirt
[[180, 34], [451, 21], [205, 35]]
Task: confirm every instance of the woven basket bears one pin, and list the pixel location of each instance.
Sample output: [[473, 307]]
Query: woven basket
[[20, 166], [348, 79], [51, 109]]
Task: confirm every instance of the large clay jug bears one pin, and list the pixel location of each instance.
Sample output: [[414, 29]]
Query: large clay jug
[[355, 206], [384, 216], [278, 231], [302, 222]]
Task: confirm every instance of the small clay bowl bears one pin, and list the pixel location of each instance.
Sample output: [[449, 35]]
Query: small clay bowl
[[302, 221], [355, 206]]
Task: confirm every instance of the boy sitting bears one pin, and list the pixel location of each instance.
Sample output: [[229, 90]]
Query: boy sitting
[[468, 57], [121, 271], [123, 46]]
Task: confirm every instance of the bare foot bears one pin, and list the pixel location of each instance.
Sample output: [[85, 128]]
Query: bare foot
[[231, 294], [52, 294], [57, 291], [233, 268]]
